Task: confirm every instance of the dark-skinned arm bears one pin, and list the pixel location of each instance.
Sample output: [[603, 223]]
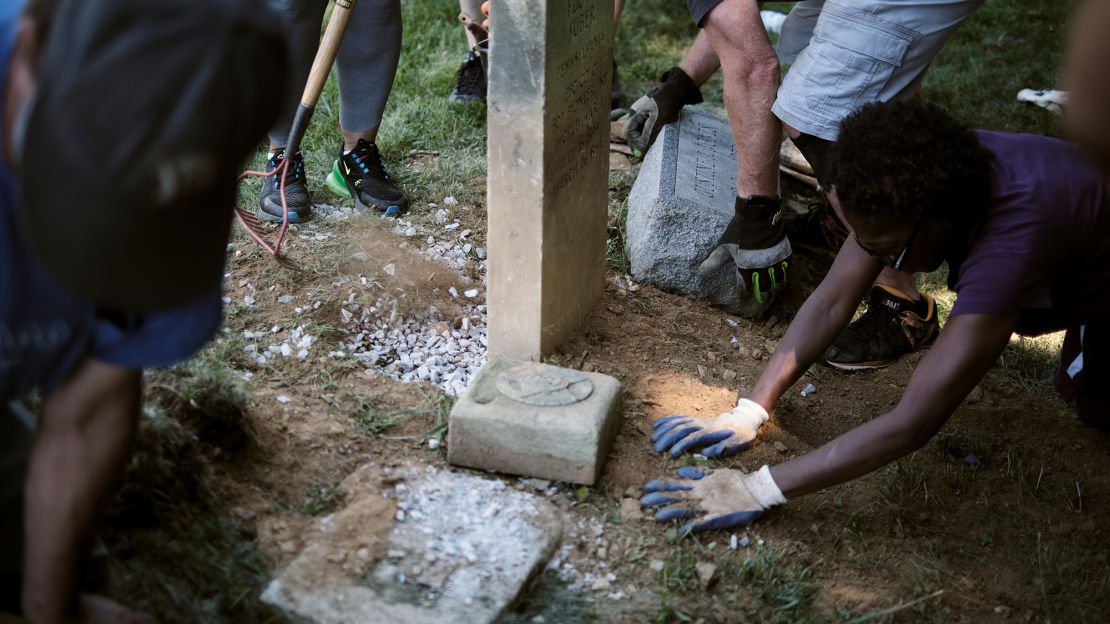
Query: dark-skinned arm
[[966, 349], [822, 317], [87, 426]]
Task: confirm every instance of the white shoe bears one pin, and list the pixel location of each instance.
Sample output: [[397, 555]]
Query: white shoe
[[1050, 99]]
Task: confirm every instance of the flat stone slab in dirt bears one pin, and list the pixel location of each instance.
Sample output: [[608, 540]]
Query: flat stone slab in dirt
[[537, 420], [461, 549], [681, 202]]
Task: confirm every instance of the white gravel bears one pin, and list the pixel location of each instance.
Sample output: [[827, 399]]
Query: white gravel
[[417, 345], [421, 348], [423, 345]]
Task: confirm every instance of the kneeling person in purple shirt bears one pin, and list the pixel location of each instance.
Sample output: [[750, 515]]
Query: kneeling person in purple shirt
[[123, 124], [1024, 226]]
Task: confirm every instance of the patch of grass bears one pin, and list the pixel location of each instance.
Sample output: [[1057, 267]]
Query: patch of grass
[[616, 243], [679, 573], [172, 551], [904, 484], [323, 498], [780, 585], [372, 421], [1007, 45], [203, 395], [668, 613], [1032, 362], [777, 587], [551, 599], [441, 405]]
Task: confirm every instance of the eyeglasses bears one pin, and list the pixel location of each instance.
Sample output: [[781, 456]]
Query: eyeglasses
[[894, 262]]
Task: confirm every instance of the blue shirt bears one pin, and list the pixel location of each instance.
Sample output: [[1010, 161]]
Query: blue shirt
[[45, 330]]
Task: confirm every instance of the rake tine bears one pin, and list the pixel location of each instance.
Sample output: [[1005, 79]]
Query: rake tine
[[284, 261], [249, 218], [251, 225], [251, 228]]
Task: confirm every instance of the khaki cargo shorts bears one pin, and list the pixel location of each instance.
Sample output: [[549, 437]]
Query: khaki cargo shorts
[[844, 54]]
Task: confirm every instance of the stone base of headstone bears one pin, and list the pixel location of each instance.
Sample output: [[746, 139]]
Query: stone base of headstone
[[533, 419], [461, 549], [681, 202]]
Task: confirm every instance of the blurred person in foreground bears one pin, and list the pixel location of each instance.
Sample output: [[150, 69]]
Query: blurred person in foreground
[[149, 108], [1024, 224], [1087, 77]]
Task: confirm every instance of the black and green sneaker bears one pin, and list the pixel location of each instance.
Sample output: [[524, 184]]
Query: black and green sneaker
[[296, 195], [360, 175]]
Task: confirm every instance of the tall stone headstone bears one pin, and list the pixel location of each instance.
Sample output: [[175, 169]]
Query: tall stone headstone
[[550, 71]]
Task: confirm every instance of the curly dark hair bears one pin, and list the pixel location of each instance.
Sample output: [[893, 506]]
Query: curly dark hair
[[898, 161]]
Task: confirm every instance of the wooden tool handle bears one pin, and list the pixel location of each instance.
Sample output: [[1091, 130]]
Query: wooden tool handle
[[325, 54]]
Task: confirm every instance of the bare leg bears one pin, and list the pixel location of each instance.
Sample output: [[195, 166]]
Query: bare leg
[[350, 139], [618, 8], [473, 8], [751, 75], [700, 62]]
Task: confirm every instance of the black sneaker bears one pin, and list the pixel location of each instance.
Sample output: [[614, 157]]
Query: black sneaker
[[361, 176], [893, 326], [296, 195], [470, 81]]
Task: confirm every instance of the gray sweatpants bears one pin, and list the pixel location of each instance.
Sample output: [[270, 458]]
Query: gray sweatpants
[[367, 60]]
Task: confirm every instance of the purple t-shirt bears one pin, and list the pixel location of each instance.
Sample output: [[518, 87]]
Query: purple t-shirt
[[1043, 247]]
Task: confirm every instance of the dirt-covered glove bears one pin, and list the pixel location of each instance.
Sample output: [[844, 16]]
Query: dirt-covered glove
[[659, 107], [718, 498], [755, 242], [722, 436]]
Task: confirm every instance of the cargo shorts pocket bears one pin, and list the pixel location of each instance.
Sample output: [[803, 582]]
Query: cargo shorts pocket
[[849, 60]]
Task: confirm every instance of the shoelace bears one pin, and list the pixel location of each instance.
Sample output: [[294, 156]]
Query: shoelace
[[296, 174], [369, 159]]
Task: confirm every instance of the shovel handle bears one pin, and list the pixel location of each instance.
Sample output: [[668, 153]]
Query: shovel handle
[[325, 54]]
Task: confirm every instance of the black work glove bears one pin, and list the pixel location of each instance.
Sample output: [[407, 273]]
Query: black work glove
[[659, 107], [755, 241]]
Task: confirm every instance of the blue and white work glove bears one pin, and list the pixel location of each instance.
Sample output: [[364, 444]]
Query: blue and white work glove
[[722, 436], [717, 498], [755, 244]]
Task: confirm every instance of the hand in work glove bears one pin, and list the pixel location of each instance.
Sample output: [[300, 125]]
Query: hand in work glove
[[724, 435], [718, 498], [755, 242], [659, 107]]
